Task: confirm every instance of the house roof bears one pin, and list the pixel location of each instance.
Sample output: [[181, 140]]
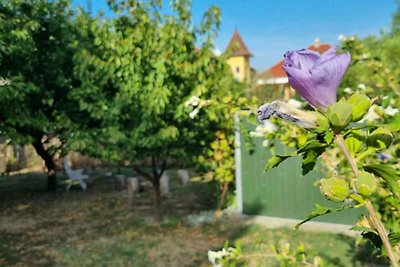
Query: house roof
[[240, 48], [276, 70]]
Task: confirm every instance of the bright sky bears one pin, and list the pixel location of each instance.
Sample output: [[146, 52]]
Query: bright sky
[[271, 27]]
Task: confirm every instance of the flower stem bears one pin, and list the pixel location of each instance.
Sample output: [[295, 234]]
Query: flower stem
[[373, 218]]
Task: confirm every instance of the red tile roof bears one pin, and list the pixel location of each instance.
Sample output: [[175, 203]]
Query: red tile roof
[[237, 43], [276, 71]]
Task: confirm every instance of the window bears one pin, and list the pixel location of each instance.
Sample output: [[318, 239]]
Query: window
[[237, 69]]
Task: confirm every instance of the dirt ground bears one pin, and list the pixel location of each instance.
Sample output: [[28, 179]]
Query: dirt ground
[[106, 227], [39, 228]]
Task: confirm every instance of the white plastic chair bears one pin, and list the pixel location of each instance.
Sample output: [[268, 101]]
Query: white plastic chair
[[75, 175]]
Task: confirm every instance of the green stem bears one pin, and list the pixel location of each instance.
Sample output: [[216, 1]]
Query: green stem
[[373, 218]]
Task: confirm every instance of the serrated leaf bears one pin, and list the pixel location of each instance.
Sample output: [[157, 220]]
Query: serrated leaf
[[329, 137], [311, 145], [309, 160], [274, 161], [318, 211], [394, 238], [388, 173], [363, 229]]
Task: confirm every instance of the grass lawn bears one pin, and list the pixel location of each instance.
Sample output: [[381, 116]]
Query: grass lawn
[[103, 227]]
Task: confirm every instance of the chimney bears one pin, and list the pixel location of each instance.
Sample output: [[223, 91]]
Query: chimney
[[317, 43]]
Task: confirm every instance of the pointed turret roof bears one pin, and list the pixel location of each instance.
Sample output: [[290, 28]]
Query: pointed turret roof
[[236, 43]]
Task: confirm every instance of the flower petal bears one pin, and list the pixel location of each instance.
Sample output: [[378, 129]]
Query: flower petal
[[302, 59], [327, 77], [302, 82], [327, 55]]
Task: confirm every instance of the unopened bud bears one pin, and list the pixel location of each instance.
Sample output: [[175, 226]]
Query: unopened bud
[[335, 188], [360, 105], [340, 114], [366, 184]]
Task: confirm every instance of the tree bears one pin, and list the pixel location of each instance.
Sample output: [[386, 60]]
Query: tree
[[38, 39], [159, 97]]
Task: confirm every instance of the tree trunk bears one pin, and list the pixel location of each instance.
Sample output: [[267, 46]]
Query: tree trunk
[[49, 162], [157, 199], [223, 194], [155, 182]]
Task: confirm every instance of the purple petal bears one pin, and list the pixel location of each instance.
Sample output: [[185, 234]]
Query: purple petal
[[327, 77], [318, 83], [327, 55], [302, 59], [302, 82]]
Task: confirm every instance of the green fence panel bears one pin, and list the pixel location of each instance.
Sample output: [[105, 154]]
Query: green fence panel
[[282, 191]]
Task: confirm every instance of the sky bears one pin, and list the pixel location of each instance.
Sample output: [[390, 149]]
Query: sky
[[270, 28]]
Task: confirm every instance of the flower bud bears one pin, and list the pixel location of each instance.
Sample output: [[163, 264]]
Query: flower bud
[[360, 105], [366, 184], [322, 122], [340, 114], [335, 188], [380, 138]]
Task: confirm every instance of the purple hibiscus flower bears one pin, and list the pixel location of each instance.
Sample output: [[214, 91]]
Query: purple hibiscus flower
[[316, 76]]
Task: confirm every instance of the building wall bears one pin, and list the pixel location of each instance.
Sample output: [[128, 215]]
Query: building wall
[[240, 67]]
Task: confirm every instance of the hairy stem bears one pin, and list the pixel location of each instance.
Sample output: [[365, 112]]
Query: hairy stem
[[377, 224]]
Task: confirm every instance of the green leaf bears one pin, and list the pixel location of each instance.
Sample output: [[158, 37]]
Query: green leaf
[[311, 145], [388, 173], [318, 211], [363, 229], [394, 238], [394, 125], [311, 151], [309, 160], [329, 137], [274, 161]]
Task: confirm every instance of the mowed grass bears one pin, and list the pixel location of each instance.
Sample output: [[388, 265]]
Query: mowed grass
[[104, 227]]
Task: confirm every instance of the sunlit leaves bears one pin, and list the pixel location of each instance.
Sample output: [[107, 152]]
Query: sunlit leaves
[[388, 173], [318, 211]]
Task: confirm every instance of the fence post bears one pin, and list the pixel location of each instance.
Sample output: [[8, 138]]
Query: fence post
[[238, 165]]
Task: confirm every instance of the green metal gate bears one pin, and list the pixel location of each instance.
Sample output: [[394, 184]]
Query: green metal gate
[[280, 192]]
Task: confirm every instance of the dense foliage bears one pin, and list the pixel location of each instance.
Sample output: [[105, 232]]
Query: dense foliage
[[38, 41]]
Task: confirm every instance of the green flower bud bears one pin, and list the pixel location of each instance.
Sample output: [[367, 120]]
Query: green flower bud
[[340, 114], [380, 138], [360, 105], [335, 188], [366, 184], [322, 122]]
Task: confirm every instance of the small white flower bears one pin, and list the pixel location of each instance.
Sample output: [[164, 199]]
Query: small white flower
[[194, 113], [217, 52], [4, 82], [371, 115], [362, 86], [294, 103], [347, 90], [391, 111], [269, 127], [262, 129], [265, 143], [192, 101], [213, 256], [342, 38]]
